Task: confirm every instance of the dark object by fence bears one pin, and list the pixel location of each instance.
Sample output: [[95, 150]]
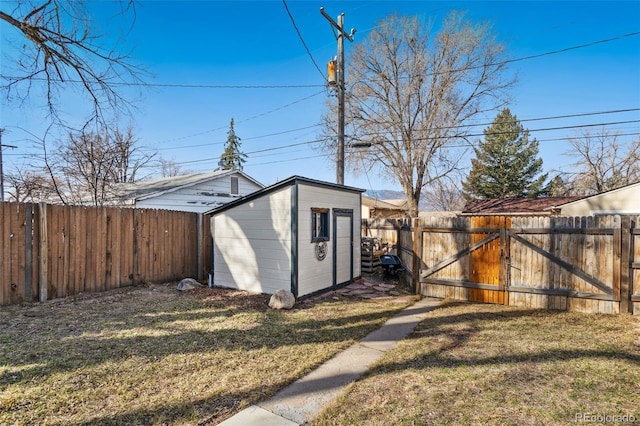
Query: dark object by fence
[[390, 264]]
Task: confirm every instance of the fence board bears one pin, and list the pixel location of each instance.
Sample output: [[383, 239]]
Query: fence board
[[5, 253], [540, 262], [13, 253], [27, 286], [54, 215], [50, 251], [123, 248], [144, 252], [113, 262], [19, 236]]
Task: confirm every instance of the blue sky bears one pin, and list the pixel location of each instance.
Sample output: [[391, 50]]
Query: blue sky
[[250, 65]]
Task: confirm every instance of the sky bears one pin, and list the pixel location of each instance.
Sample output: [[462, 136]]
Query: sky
[[213, 61]]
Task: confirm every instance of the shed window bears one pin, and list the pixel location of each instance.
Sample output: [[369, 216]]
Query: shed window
[[234, 185], [319, 225]]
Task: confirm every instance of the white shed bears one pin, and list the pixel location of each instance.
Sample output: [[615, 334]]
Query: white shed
[[299, 234]]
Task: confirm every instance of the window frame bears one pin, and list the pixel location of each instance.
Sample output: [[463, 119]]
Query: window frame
[[322, 214], [235, 182]]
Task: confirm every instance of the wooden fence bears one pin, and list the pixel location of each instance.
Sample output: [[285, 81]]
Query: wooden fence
[[51, 251], [587, 264]]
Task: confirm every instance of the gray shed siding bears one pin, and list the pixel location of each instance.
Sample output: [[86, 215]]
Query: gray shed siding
[[252, 244]]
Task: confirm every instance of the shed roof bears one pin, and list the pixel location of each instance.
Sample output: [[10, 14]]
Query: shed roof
[[293, 180]]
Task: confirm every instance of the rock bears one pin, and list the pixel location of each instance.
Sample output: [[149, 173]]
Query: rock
[[188, 284], [282, 299]]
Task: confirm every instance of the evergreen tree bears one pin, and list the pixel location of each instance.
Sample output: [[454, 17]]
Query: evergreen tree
[[558, 187], [506, 164], [232, 158]]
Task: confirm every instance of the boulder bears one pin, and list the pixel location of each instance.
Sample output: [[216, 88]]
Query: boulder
[[188, 284], [282, 299]]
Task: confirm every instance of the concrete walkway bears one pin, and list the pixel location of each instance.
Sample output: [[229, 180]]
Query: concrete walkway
[[300, 402]]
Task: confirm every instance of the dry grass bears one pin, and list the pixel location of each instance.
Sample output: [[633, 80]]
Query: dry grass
[[493, 365], [152, 355]]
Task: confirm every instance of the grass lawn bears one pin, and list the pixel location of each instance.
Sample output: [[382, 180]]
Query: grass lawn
[[471, 364], [152, 355]]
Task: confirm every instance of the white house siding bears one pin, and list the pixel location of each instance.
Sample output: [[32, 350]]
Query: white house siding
[[252, 244], [625, 201], [199, 197], [313, 274]]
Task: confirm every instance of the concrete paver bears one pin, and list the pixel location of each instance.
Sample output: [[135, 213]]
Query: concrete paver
[[257, 416]]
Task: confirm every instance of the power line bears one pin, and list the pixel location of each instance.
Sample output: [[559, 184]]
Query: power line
[[299, 86], [177, 85], [508, 132], [524, 58], [257, 151], [244, 120], [302, 39], [417, 139], [554, 117], [567, 49], [314, 141], [244, 139]]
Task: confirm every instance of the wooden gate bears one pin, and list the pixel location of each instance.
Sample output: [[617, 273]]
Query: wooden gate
[[463, 258], [486, 259], [581, 264]]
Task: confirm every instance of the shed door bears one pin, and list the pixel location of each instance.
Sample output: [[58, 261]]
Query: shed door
[[343, 246]]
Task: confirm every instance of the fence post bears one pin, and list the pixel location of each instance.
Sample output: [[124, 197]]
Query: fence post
[[417, 254], [43, 253], [199, 239], [625, 262], [136, 258], [28, 253], [505, 266]]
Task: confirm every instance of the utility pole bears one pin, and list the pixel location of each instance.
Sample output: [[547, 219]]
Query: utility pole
[[341, 89], [1, 171]]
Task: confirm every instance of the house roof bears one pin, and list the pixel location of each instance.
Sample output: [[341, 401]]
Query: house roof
[[293, 180], [542, 205], [150, 188]]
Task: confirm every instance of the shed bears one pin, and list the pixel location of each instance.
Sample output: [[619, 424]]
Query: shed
[[300, 235]]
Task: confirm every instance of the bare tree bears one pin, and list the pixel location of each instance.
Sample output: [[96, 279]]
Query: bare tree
[[444, 194], [26, 186], [603, 162], [59, 49], [128, 158], [87, 165], [409, 93], [169, 168]]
